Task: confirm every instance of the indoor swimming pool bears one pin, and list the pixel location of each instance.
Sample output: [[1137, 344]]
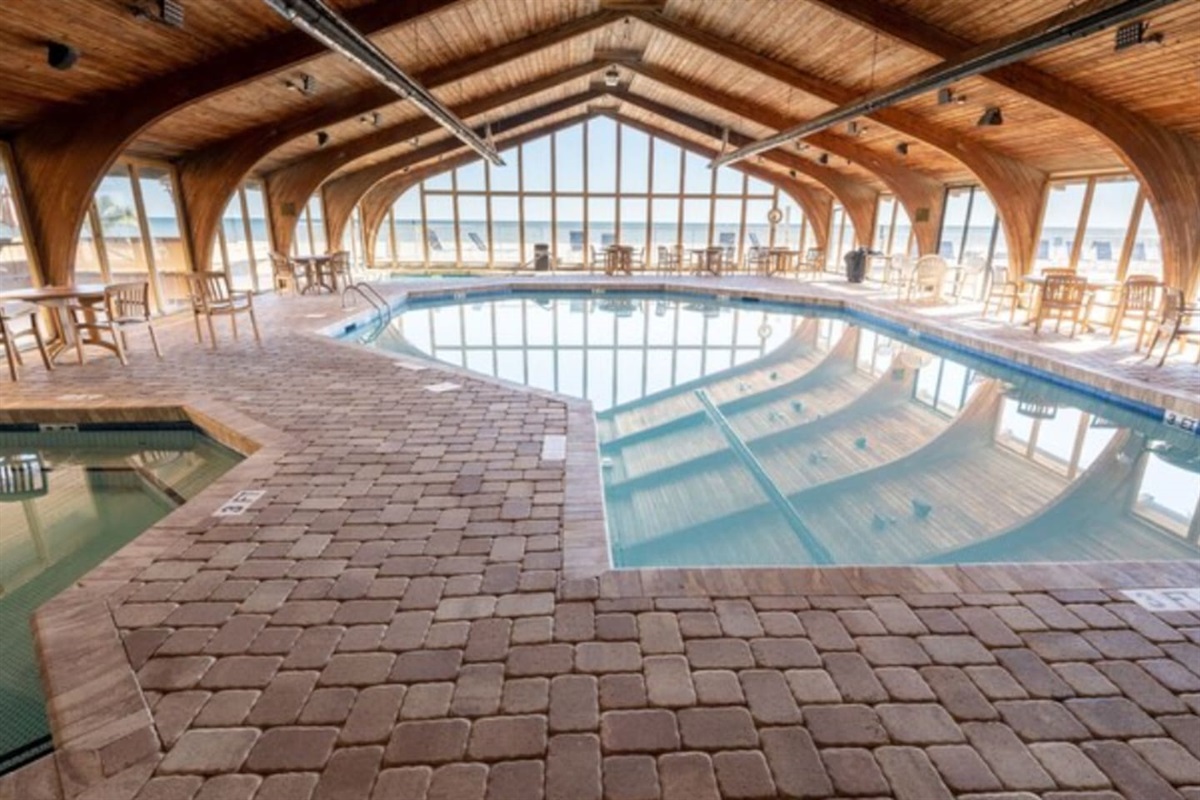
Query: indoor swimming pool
[[68, 500], [736, 433]]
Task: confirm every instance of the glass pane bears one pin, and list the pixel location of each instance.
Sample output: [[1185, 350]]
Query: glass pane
[[954, 219], [602, 155], [87, 260], [316, 209], [506, 233], [1107, 225], [351, 242], [301, 242], [537, 229], [1060, 222], [849, 239], [979, 231], [569, 238], [472, 227], [119, 226], [833, 254], [1146, 258], [406, 217], [470, 177], [695, 222], [16, 271], [902, 238], [440, 182], [568, 153], [758, 227], [666, 223], [1168, 494], [504, 179], [697, 177], [883, 222], [602, 216], [439, 228], [260, 233], [383, 247], [236, 247], [756, 186], [729, 181], [535, 162], [727, 227], [787, 232], [635, 158], [170, 258], [666, 167], [633, 221]]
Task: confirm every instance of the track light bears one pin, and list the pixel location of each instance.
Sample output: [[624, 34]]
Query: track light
[[902, 148], [165, 12], [322, 138], [61, 56], [823, 159], [791, 173], [991, 116], [371, 119], [306, 84], [322, 23], [612, 78]]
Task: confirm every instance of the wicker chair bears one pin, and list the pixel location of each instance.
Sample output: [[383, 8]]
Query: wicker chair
[[123, 306], [925, 282], [1063, 296], [1002, 290], [9, 337], [1178, 321], [897, 269], [973, 272], [212, 296]]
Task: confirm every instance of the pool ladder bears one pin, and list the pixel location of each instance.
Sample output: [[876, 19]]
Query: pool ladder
[[369, 293]]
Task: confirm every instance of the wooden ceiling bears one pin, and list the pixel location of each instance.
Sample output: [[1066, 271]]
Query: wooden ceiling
[[815, 39]]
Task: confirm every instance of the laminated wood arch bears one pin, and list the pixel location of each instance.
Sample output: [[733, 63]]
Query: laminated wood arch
[[1016, 188], [1167, 163], [61, 159]]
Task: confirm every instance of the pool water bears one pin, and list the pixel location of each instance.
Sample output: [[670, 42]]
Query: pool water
[[745, 434], [68, 500]]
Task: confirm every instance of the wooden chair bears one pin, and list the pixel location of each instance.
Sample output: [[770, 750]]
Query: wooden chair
[[925, 282], [1002, 290], [124, 306], [814, 260], [1063, 296], [669, 258], [283, 273], [212, 296], [1138, 298], [1177, 321], [339, 269], [756, 259], [9, 337]]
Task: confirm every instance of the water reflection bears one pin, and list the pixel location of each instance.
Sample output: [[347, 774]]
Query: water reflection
[[743, 435]]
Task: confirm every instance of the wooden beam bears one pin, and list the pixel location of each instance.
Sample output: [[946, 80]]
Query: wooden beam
[[1166, 162], [343, 193], [62, 158], [290, 186], [858, 199], [921, 194], [210, 176], [1016, 188]]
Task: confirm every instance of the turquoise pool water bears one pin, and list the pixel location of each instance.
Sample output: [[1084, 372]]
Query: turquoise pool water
[[735, 433], [68, 500]]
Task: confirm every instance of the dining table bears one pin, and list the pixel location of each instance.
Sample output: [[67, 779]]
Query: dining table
[[779, 259], [319, 274], [1038, 282], [708, 259], [57, 299], [618, 258]]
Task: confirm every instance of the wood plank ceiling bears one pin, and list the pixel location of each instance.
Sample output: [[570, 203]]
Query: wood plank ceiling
[[1161, 82]]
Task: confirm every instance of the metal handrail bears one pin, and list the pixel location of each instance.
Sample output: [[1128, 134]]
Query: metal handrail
[[372, 296]]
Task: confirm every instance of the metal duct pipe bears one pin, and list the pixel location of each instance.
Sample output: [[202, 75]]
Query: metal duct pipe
[[327, 27], [1073, 24]]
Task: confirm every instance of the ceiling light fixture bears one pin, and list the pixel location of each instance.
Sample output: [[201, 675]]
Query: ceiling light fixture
[[322, 23], [165, 12], [1069, 26], [823, 159], [902, 148], [61, 56], [371, 119], [991, 116], [612, 78], [306, 84], [1134, 33], [322, 138]]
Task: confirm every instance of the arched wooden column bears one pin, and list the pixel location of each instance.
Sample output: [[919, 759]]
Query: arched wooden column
[[61, 159], [920, 194], [290, 187], [209, 178], [1016, 189], [1167, 163], [857, 198]]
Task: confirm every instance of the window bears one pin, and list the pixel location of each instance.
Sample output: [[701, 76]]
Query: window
[[1064, 440], [1060, 223], [237, 245], [1168, 495], [1109, 214], [640, 191], [1146, 257], [970, 229], [117, 213], [167, 247], [260, 233], [16, 270], [244, 244]]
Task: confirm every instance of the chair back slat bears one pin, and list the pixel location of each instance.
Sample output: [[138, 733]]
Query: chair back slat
[[1064, 291], [209, 287], [1141, 292], [129, 300]]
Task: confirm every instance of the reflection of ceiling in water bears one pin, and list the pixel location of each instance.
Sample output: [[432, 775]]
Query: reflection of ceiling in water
[[730, 435]]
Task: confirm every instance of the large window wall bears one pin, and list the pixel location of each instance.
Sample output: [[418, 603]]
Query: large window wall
[[1100, 226], [842, 238], [132, 232], [596, 183], [970, 229], [244, 240], [893, 229], [16, 268]]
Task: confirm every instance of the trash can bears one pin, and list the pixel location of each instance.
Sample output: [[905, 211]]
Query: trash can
[[541, 257], [856, 265]]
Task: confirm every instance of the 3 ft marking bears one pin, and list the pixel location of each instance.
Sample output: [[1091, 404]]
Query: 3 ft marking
[[1183, 422]]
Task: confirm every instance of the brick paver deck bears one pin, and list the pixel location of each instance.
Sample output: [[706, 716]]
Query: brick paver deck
[[391, 621]]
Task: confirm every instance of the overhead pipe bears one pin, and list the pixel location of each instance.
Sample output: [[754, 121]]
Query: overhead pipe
[[324, 24], [1075, 23]]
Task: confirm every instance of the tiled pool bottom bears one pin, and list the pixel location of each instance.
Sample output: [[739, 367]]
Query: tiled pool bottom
[[737, 434], [68, 500]]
